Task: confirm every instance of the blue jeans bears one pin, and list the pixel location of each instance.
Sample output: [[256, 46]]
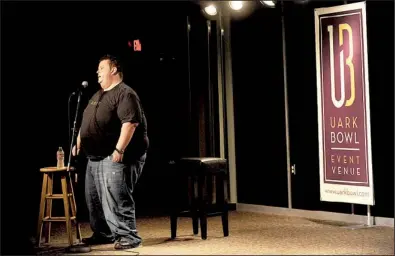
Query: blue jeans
[[108, 192]]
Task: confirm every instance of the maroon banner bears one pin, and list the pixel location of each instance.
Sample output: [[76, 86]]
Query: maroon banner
[[343, 104]]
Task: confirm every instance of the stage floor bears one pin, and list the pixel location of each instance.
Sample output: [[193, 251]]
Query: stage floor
[[250, 233]]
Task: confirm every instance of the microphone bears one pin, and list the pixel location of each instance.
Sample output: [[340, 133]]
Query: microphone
[[84, 84]]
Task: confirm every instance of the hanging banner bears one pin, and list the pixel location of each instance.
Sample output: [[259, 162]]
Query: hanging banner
[[343, 104]]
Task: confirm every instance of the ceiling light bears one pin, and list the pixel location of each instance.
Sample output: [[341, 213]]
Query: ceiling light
[[211, 10], [268, 3], [236, 5]]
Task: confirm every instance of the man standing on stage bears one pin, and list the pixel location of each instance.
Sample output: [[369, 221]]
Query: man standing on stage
[[113, 135]]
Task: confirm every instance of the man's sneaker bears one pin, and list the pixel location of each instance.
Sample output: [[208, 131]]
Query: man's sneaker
[[124, 243], [95, 240]]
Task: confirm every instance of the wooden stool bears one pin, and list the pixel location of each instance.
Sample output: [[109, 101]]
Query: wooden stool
[[46, 204], [203, 201]]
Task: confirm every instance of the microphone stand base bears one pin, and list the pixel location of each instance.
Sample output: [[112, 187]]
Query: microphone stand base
[[78, 248]]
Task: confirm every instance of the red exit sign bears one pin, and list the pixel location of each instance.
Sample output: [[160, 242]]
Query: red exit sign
[[137, 45]]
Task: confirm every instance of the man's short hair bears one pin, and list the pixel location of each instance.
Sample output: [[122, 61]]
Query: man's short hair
[[114, 62]]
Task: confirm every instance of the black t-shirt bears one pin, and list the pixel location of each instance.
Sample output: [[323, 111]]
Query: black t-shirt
[[103, 118]]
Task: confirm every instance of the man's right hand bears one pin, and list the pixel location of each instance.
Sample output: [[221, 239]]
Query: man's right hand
[[75, 151]]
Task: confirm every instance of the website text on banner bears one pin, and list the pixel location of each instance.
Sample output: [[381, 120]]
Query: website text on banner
[[343, 104]]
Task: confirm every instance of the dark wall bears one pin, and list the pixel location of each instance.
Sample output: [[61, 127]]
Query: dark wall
[[381, 79], [259, 109], [258, 88], [48, 49]]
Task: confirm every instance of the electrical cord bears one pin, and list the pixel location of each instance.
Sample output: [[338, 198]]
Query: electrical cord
[[130, 251]]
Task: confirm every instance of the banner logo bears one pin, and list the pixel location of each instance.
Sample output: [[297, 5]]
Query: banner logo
[[344, 27]]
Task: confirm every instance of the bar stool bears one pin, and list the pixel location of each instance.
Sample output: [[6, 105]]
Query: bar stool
[[203, 201], [67, 195]]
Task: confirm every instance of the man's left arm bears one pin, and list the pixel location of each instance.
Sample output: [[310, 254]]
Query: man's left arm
[[129, 113], [127, 132]]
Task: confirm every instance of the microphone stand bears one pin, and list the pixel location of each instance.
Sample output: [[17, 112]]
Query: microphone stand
[[80, 247], [74, 133]]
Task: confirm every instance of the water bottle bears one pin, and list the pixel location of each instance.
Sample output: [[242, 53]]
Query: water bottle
[[60, 158]]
